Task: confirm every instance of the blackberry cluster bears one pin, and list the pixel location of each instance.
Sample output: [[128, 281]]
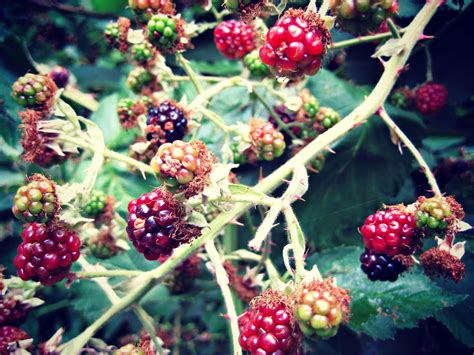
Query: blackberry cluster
[[390, 232], [234, 39], [268, 326], [36, 201], [96, 204], [296, 45], [143, 53], [145, 9], [138, 79], [321, 307], [46, 253], [129, 110], [327, 117], [433, 213], [155, 224], [267, 142], [256, 67], [163, 32], [380, 266], [431, 98], [179, 164], [362, 16], [166, 123], [9, 338], [34, 90], [60, 76]]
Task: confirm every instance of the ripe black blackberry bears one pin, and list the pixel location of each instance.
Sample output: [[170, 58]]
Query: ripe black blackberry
[[380, 266], [166, 123]]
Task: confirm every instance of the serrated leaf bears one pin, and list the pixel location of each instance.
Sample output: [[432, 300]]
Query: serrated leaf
[[379, 308]]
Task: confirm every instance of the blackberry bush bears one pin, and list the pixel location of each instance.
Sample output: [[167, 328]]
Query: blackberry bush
[[46, 253]]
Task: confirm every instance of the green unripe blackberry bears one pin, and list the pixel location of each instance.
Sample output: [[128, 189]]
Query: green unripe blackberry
[[321, 307], [128, 110], [112, 32], [311, 104], [143, 52], [96, 204], [433, 213], [34, 90], [255, 65], [327, 117], [403, 98], [36, 201], [138, 79], [162, 31], [238, 157], [267, 142], [116, 34]]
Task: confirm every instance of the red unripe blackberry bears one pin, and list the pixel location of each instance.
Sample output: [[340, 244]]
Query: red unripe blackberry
[[390, 232], [183, 165], [296, 45], [166, 122], [36, 201], [10, 338], [60, 76], [266, 142], [268, 327], [431, 98], [380, 266], [234, 39], [34, 90], [156, 224], [321, 307], [46, 253], [144, 9]]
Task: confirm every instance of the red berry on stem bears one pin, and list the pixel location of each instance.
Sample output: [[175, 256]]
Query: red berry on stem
[[234, 39], [431, 98]]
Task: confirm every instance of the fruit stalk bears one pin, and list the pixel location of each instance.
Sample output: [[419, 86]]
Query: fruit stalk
[[413, 150]]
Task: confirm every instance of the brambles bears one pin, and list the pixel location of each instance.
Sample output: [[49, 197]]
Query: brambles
[[46, 253], [36, 201], [381, 267], [60, 76], [13, 339], [34, 91], [116, 34], [166, 32], [266, 142], [166, 123], [234, 39], [391, 232], [321, 307], [296, 45], [183, 165], [145, 9], [256, 67], [362, 16], [156, 224], [268, 326], [431, 98]]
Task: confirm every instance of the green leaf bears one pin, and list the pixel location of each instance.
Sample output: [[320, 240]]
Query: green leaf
[[379, 308], [110, 6], [219, 68], [106, 117]]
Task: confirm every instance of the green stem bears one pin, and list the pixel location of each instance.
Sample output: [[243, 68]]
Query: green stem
[[214, 118], [413, 150], [324, 8], [276, 116], [147, 323], [368, 107], [297, 242], [393, 28], [192, 75], [364, 39], [108, 273], [223, 282]]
